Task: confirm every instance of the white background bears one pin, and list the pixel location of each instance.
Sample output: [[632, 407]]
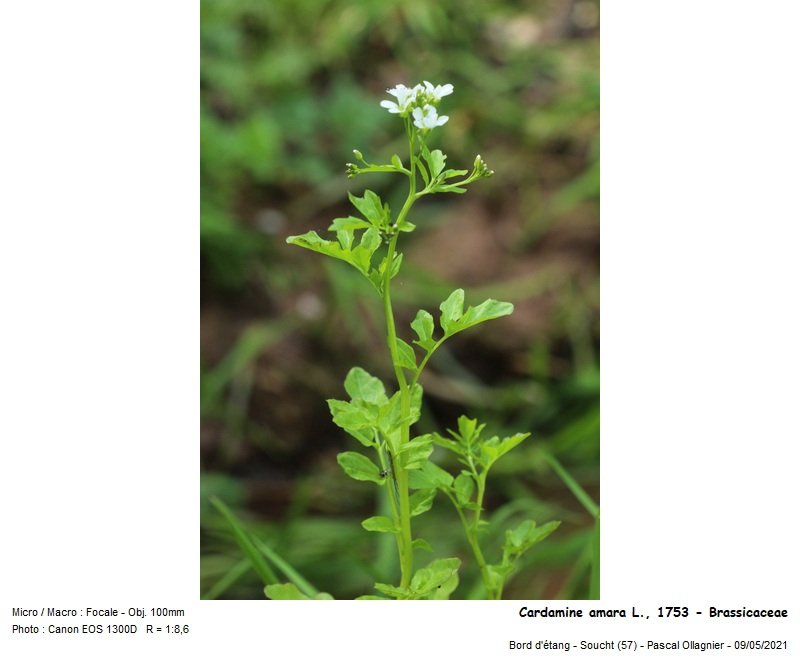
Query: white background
[[99, 376]]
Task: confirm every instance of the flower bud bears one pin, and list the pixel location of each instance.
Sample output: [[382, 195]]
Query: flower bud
[[480, 170]]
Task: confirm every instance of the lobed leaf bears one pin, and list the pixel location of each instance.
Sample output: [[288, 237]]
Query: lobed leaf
[[391, 413], [359, 257], [313, 241], [446, 589], [453, 319], [426, 177], [422, 325], [286, 591], [429, 476], [525, 536], [452, 310], [349, 223], [405, 355], [389, 590], [448, 444], [434, 576], [356, 420], [371, 207], [359, 467], [494, 449], [449, 174], [468, 429], [435, 160], [379, 524], [361, 386], [421, 544], [414, 453], [451, 188], [464, 486], [486, 311], [421, 501]]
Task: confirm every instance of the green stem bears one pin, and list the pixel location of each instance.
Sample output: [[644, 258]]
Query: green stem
[[471, 535], [425, 360], [404, 540]]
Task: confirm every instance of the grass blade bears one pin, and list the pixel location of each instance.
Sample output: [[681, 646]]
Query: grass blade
[[284, 567], [581, 495], [244, 541], [231, 577]]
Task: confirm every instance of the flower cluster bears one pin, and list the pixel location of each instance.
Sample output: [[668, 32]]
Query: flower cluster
[[420, 101], [480, 169]]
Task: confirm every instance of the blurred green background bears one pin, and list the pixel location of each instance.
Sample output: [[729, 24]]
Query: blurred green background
[[288, 89]]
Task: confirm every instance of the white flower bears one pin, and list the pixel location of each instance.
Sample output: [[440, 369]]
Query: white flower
[[405, 97], [427, 117], [439, 91]]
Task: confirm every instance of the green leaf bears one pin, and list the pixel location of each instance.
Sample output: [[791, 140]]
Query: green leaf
[[434, 576], [379, 524], [421, 544], [361, 386], [422, 325], [453, 319], [371, 207], [421, 501], [361, 256], [398, 259], [497, 575], [391, 414], [348, 224], [486, 311], [467, 428], [428, 476], [436, 161], [359, 467], [448, 444], [414, 453], [525, 536], [389, 590], [285, 591], [424, 173], [345, 238], [405, 355], [494, 449], [445, 589], [451, 189], [452, 309], [449, 174], [368, 597], [397, 162], [416, 403], [464, 485], [313, 241], [356, 420], [507, 444]]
